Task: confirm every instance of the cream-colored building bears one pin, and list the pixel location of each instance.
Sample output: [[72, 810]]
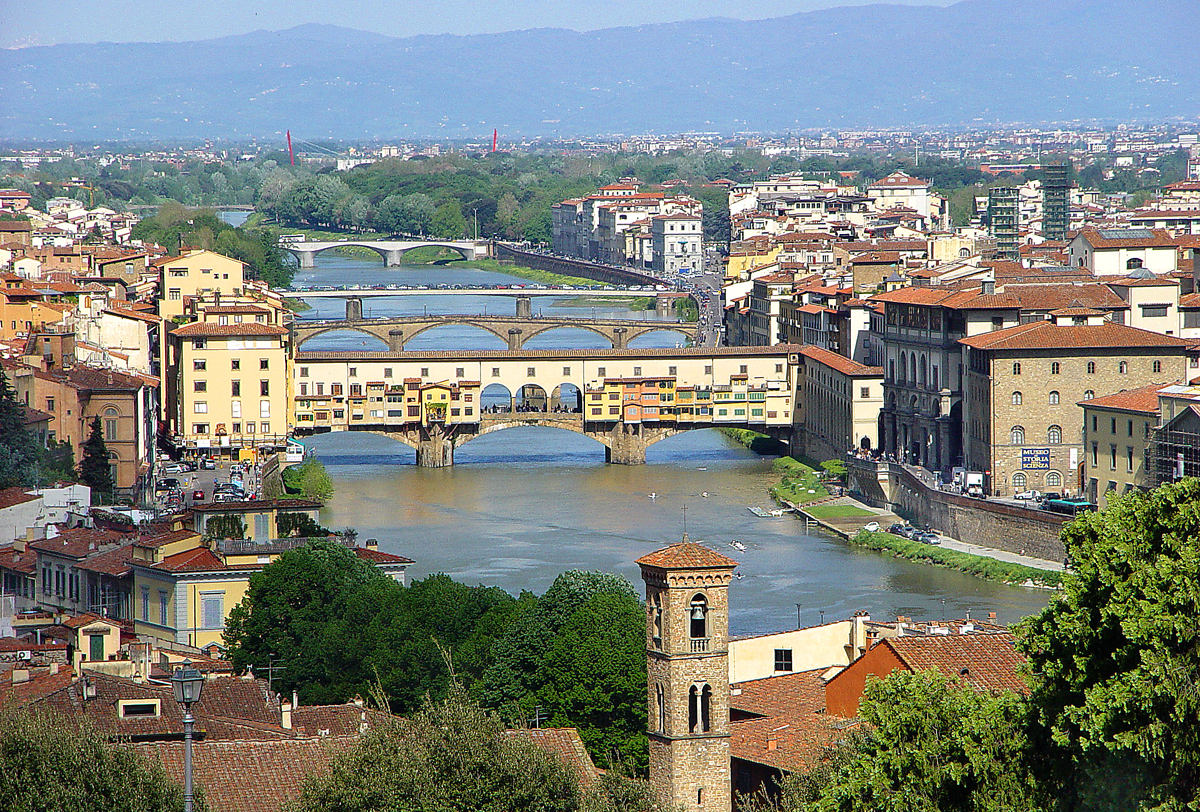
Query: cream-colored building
[[1118, 251], [229, 380], [1116, 432], [839, 403], [194, 273]]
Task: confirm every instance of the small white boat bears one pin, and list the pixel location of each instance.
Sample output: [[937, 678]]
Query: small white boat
[[737, 545], [702, 469], [759, 512], [653, 495], [704, 494]]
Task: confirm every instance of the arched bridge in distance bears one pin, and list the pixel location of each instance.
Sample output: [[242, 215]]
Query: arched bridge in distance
[[392, 251]]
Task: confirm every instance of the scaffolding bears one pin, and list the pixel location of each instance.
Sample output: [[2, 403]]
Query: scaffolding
[[1172, 455], [1056, 201], [1002, 211]]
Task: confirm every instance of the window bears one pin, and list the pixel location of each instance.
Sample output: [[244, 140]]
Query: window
[[1130, 428], [531, 371], [1129, 458], [110, 424], [162, 607], [353, 371], [50, 404], [637, 370], [201, 407], [235, 363], [661, 721], [783, 659], [250, 427], [174, 294], [742, 369], [1095, 455], [1157, 366], [235, 410], [264, 363], [1054, 435], [235, 388], [1112, 425], [139, 709], [264, 409], [1154, 311], [1053, 398], [1123, 367], [1133, 263], [1016, 367], [1019, 481], [265, 427], [1055, 367], [1054, 479], [707, 369], [864, 392], [1091, 367], [997, 322], [198, 343], [264, 388], [1112, 457], [199, 365], [699, 617], [303, 372], [1017, 435], [1017, 398], [199, 386], [199, 428], [146, 603]]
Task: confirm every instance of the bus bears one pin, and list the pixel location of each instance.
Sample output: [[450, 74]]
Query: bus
[[1068, 507]]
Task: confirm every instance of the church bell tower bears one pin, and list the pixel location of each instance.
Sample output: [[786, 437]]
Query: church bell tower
[[687, 666]]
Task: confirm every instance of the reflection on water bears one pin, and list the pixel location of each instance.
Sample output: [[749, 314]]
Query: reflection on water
[[333, 269], [524, 504]]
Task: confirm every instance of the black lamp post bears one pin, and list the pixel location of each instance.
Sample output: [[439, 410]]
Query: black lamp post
[[187, 682]]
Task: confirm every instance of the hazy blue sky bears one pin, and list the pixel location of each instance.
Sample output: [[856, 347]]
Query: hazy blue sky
[[47, 22]]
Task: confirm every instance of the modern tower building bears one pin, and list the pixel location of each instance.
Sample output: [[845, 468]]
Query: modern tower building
[[1056, 200]]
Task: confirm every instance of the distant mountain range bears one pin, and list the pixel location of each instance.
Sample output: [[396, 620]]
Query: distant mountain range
[[973, 63]]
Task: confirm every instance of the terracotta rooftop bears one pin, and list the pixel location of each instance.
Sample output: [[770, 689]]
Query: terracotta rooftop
[[988, 662], [840, 362], [78, 542], [686, 555], [254, 504], [378, 557], [1046, 335], [1143, 400], [565, 743], [246, 328], [199, 559], [114, 562], [1127, 237], [15, 496], [781, 721]]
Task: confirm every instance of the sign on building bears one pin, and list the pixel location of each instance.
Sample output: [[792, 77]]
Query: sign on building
[[1035, 459]]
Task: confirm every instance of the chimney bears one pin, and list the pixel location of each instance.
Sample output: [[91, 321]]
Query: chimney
[[989, 286], [285, 715], [372, 544], [992, 617], [20, 675]]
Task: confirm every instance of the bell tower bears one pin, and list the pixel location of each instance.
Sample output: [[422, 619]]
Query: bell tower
[[687, 666]]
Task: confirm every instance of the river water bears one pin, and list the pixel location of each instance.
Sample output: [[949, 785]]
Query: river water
[[522, 505]]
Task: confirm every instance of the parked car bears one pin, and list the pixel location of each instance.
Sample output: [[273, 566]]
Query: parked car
[[173, 468], [896, 529], [170, 483], [186, 467], [208, 464], [1030, 495], [198, 495], [927, 537]]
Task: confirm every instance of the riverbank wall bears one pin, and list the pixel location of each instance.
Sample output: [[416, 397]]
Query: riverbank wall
[[893, 487], [573, 267]]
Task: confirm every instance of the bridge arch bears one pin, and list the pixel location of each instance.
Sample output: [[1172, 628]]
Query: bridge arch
[[636, 341], [456, 321], [300, 254], [346, 327], [466, 253]]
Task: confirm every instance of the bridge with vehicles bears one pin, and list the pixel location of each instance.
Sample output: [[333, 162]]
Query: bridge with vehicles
[[392, 251], [381, 292], [626, 400]]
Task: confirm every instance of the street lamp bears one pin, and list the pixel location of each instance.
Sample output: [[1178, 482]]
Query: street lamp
[[187, 683]]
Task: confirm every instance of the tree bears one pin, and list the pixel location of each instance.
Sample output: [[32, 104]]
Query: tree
[[930, 744], [315, 482], [300, 525], [452, 755], [94, 469], [18, 447], [229, 526], [1116, 658], [551, 657], [46, 766]]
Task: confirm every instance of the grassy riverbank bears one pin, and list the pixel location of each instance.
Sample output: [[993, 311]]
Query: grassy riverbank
[[977, 565], [753, 440]]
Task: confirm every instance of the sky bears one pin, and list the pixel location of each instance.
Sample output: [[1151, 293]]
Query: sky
[[48, 22]]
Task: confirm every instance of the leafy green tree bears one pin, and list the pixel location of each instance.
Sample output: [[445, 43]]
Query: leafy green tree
[[18, 447], [228, 526], [451, 756], [1116, 658], [315, 482], [300, 525], [94, 468], [46, 766], [929, 744]]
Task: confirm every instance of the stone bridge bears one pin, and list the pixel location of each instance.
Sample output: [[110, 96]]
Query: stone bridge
[[392, 251], [395, 332], [624, 443]]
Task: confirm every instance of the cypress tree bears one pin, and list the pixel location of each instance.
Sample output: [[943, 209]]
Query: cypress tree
[[18, 447], [94, 470]]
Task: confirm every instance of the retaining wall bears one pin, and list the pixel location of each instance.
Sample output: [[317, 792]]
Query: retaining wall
[[575, 267], [975, 521]]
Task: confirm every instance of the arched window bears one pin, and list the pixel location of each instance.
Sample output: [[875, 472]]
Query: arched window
[[699, 617], [903, 368], [1088, 394], [693, 709], [1017, 398], [1019, 481], [1017, 435], [1053, 479], [1158, 366], [1055, 367], [1054, 435], [1054, 398], [1123, 367], [1091, 367], [110, 424], [662, 708], [963, 253], [924, 370], [706, 709], [1133, 263], [656, 612], [1016, 367]]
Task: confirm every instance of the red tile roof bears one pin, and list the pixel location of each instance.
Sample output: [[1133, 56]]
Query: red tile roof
[[897, 179], [377, 557], [988, 662], [840, 362], [686, 555], [789, 729], [1143, 400], [15, 496], [1046, 335], [78, 542], [246, 328], [1157, 238], [200, 559], [565, 743], [113, 562]]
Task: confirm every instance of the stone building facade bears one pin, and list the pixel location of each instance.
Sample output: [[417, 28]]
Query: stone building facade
[[1022, 422], [687, 654]]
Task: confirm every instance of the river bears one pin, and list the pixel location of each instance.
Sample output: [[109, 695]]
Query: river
[[522, 505]]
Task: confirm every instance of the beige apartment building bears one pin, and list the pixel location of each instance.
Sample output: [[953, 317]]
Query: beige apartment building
[[840, 403], [1116, 432], [194, 273], [1023, 426], [229, 381]]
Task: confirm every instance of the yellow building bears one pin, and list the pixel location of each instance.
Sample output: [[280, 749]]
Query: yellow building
[[1116, 433], [742, 262], [193, 274], [228, 383]]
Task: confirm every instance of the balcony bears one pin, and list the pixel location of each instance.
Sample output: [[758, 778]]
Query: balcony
[[699, 645]]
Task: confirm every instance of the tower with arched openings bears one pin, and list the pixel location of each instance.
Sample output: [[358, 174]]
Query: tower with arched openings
[[687, 665]]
